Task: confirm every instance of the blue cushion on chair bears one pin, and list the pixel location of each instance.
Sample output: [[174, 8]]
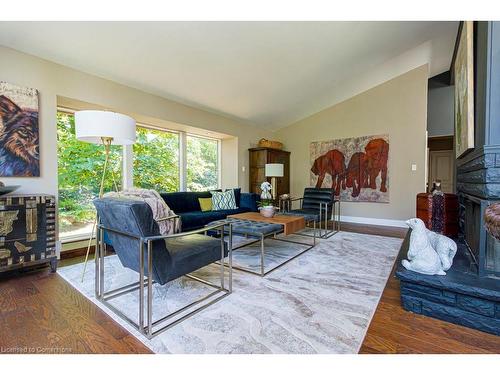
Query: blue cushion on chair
[[314, 196], [309, 214]]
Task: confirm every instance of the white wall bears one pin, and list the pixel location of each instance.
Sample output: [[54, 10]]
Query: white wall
[[56, 81], [440, 111]]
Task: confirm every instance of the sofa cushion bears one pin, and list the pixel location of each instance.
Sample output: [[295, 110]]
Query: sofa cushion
[[205, 204], [249, 200], [184, 201], [198, 219]]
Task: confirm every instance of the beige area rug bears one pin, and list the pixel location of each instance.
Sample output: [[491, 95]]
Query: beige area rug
[[321, 302]]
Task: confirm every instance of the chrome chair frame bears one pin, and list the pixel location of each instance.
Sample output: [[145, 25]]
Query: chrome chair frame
[[324, 232], [148, 329], [272, 236]]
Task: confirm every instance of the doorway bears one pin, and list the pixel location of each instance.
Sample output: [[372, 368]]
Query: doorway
[[442, 163]]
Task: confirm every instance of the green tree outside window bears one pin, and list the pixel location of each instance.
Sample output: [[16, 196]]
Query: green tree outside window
[[202, 163], [80, 166]]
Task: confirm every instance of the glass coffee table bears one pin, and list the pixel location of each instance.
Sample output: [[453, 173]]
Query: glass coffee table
[[277, 228]]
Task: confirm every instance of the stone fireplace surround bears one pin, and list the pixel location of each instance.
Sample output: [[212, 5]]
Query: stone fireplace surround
[[469, 294]]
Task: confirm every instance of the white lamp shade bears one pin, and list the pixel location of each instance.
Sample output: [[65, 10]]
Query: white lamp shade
[[274, 170], [92, 126]]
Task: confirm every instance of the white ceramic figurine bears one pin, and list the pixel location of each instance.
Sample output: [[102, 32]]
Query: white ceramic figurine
[[266, 190], [429, 253]]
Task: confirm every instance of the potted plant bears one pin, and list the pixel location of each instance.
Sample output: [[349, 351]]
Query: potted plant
[[266, 207]]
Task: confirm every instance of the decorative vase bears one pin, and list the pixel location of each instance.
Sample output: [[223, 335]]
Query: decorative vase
[[267, 211]]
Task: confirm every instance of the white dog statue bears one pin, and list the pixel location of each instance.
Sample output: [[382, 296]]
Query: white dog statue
[[430, 253], [266, 190]]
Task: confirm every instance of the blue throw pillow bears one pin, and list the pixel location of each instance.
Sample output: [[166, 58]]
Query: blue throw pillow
[[223, 201]]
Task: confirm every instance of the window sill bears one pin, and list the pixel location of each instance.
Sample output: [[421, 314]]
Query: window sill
[[74, 238], [75, 242]]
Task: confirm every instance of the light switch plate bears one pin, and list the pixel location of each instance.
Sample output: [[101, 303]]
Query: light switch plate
[[413, 167]]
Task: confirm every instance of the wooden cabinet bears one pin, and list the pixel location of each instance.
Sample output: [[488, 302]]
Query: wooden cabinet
[[440, 213], [261, 156], [27, 231]]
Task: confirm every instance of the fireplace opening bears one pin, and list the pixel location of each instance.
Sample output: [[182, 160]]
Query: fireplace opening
[[484, 248]]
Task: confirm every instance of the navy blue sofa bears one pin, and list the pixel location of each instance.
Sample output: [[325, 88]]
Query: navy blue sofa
[[187, 206]]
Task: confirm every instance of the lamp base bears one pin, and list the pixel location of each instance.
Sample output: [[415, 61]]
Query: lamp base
[[106, 141], [274, 187]]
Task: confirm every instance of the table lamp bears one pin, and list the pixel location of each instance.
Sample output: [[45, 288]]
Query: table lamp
[[274, 170], [106, 128]]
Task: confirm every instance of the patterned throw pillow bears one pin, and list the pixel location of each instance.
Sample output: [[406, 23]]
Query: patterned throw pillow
[[223, 200]]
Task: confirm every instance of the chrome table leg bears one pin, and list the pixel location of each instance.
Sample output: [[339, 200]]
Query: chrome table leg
[[150, 291], [262, 273], [141, 287]]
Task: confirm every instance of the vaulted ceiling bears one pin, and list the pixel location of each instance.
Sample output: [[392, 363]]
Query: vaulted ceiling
[[261, 73]]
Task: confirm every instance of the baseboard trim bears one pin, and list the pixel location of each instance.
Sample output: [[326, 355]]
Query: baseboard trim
[[374, 221]]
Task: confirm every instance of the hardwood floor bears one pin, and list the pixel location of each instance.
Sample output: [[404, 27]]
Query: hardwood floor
[[395, 330], [377, 230], [42, 312]]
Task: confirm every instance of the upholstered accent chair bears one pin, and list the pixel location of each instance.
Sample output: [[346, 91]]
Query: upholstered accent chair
[[134, 235], [317, 205]]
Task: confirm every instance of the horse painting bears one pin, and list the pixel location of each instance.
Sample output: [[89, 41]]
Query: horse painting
[[333, 163], [377, 154], [364, 177]]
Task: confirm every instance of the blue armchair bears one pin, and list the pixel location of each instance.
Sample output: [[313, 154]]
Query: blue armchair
[[135, 236]]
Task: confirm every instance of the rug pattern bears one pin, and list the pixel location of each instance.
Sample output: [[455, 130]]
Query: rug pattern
[[321, 302]]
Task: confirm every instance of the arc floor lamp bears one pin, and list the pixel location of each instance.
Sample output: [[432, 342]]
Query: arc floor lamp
[[106, 128]]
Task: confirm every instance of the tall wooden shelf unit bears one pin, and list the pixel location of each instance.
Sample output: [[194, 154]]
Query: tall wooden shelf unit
[[259, 157]]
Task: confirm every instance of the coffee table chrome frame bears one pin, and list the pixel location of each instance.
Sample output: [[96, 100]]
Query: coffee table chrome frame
[[261, 239], [324, 232], [148, 329]]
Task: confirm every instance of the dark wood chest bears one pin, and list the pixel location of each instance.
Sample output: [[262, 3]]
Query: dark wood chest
[[259, 157], [439, 214], [27, 231]]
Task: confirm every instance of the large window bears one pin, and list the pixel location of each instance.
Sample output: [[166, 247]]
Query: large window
[[154, 163], [156, 160], [202, 163], [80, 166]]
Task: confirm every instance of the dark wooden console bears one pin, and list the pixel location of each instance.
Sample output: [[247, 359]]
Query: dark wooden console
[[27, 231]]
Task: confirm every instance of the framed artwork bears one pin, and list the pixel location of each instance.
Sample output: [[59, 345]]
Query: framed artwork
[[463, 72], [19, 141], [355, 168]]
